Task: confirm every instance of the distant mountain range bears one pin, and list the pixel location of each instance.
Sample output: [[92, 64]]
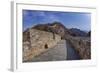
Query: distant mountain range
[[77, 32], [60, 29]]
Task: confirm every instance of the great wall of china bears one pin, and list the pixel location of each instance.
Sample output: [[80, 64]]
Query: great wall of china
[[37, 42], [40, 40]]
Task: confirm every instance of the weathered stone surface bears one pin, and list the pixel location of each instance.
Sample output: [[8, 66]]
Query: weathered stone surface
[[39, 42], [82, 45]]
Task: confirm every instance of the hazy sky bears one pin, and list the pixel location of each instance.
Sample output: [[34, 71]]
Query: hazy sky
[[69, 19]]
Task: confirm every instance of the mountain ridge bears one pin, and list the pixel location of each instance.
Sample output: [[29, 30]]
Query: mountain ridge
[[60, 29]]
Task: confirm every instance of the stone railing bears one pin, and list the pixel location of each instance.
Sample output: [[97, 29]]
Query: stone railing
[[82, 46]]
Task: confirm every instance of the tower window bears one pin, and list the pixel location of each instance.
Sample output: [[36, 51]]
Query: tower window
[[46, 46]]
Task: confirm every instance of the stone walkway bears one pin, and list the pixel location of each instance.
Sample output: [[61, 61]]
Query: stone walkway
[[59, 52]]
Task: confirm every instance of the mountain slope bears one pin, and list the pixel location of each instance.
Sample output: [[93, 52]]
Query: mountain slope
[[77, 32]]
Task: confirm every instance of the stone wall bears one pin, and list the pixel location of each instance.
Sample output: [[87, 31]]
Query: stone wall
[[37, 42], [82, 46]]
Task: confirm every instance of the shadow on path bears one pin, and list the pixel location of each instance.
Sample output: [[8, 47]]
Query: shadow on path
[[72, 54]]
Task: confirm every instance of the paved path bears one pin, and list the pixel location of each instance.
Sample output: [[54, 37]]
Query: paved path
[[59, 52], [72, 54]]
